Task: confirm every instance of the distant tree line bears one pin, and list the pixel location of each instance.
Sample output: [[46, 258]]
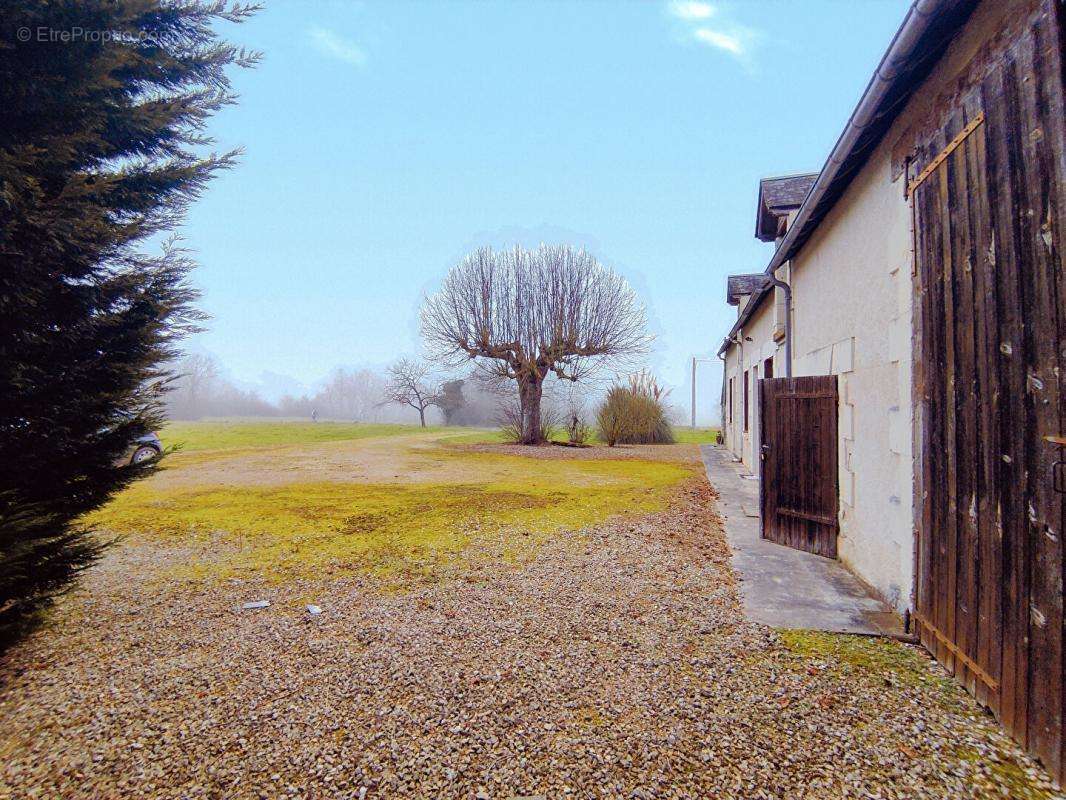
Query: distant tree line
[[201, 390]]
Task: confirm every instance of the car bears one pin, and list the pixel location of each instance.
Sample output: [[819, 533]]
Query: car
[[145, 448]]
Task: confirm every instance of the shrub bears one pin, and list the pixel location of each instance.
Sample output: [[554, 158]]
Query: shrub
[[510, 422], [577, 430], [635, 413]]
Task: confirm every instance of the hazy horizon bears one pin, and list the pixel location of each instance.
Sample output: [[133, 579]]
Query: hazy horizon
[[385, 141]]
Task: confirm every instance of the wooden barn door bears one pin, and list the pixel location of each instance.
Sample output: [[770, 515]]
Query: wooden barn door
[[798, 435], [990, 322]]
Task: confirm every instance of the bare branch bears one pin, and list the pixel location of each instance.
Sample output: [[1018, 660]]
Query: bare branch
[[408, 385]]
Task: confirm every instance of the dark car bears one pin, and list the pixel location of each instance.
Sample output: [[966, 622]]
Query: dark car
[[145, 448]]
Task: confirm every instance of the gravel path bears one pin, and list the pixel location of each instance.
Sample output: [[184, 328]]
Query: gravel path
[[615, 663]]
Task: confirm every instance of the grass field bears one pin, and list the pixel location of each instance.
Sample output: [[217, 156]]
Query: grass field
[[682, 435], [231, 434], [282, 499], [686, 435]]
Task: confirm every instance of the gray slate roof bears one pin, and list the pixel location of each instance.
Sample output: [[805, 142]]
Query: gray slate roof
[[777, 197], [739, 285]]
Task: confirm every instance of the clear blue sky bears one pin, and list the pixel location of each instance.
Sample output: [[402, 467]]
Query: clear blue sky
[[385, 139]]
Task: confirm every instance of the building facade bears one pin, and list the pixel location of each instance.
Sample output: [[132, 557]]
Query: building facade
[[923, 268]]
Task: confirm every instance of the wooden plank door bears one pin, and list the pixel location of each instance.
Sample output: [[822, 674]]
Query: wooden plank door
[[990, 323], [798, 435]]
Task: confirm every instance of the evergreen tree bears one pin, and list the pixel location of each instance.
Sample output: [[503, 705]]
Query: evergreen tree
[[102, 111], [452, 401]]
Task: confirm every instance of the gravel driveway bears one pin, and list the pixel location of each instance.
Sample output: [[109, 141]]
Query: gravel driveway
[[615, 663]]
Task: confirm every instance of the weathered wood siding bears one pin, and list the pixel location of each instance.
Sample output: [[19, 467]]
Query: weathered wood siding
[[990, 333], [798, 431]]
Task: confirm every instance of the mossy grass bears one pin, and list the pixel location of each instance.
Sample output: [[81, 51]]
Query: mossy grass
[[1007, 774], [878, 659], [873, 655]]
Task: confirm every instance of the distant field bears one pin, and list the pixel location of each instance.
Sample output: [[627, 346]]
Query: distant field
[[686, 435], [229, 434]]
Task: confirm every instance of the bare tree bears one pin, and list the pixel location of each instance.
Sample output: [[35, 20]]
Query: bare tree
[[352, 395], [529, 314], [408, 385], [195, 380]]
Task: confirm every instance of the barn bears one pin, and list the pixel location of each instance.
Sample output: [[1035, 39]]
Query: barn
[[894, 375]]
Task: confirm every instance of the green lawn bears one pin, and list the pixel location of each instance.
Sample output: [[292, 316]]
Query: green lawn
[[227, 434], [687, 435]]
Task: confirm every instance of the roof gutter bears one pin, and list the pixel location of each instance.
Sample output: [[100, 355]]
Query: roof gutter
[[894, 64], [903, 57]]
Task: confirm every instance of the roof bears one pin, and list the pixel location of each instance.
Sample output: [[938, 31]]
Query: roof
[[777, 197], [739, 285], [918, 45]]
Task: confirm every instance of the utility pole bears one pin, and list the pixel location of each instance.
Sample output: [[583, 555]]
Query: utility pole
[[694, 393]]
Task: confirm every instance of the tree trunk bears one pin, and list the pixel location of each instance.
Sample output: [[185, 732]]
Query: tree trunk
[[529, 394], [422, 416]]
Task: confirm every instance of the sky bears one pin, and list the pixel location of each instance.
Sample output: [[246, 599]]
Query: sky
[[385, 140]]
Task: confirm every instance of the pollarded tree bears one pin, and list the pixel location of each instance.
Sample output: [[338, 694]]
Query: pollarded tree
[[103, 107], [523, 315], [409, 386]]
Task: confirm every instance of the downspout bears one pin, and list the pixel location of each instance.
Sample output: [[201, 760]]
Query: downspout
[[721, 402], [738, 340], [784, 287]]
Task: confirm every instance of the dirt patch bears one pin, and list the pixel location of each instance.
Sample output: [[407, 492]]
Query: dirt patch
[[392, 459], [414, 458], [683, 453]]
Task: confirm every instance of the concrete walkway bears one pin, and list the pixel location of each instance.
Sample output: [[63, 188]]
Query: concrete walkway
[[783, 587]]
